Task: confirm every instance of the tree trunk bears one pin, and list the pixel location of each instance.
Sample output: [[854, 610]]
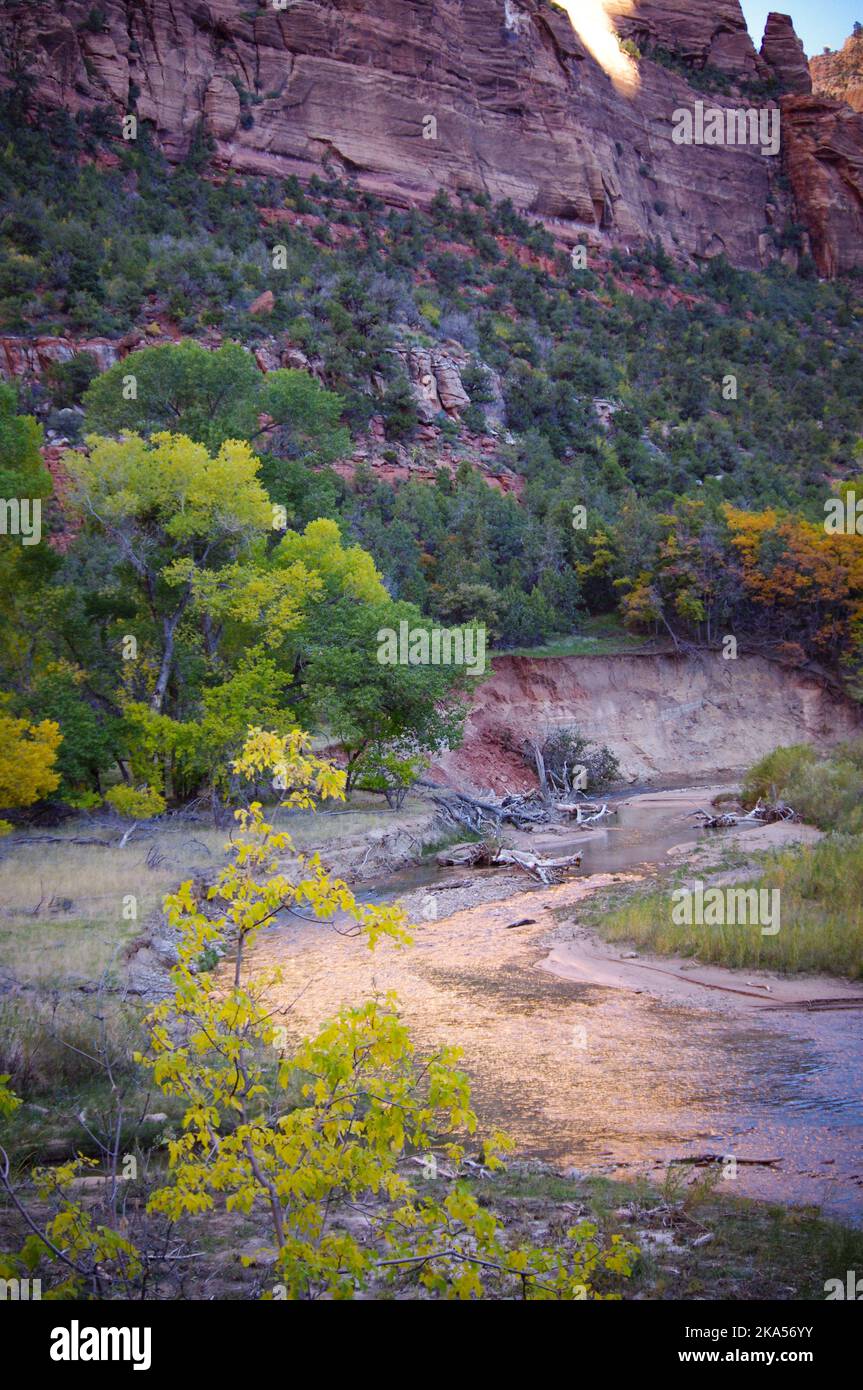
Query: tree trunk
[[169, 633]]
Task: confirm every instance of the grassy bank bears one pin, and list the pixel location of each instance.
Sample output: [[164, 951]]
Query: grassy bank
[[602, 635], [821, 915], [820, 886]]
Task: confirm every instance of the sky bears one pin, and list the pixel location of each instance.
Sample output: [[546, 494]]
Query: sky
[[820, 23]]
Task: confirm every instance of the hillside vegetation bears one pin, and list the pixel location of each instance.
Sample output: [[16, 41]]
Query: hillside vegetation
[[733, 398]]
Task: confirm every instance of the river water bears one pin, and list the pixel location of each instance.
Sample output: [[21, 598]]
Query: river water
[[611, 1080]]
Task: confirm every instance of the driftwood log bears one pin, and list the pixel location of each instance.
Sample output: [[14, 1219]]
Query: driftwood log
[[761, 814], [584, 812], [523, 811], [483, 816], [489, 854]]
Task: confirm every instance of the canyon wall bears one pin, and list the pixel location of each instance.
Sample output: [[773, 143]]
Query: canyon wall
[[839, 75], [495, 95], [662, 716]]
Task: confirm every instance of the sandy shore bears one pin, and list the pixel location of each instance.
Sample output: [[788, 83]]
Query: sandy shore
[[593, 1056], [588, 959]]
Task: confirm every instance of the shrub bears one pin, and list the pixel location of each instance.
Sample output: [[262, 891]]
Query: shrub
[[769, 779], [474, 419], [477, 382], [399, 409], [826, 791], [391, 771], [566, 750], [67, 381], [829, 795], [137, 803], [96, 21]]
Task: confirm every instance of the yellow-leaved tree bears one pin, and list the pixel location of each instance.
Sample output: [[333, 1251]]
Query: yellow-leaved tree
[[27, 756], [310, 1136]]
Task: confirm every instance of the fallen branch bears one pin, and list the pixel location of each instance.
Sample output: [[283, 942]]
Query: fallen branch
[[703, 1160], [521, 811], [548, 871], [761, 814], [485, 854], [585, 812], [524, 811], [819, 1005]]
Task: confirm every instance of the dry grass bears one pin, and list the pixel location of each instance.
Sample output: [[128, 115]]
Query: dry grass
[[50, 1045], [65, 907], [64, 953]]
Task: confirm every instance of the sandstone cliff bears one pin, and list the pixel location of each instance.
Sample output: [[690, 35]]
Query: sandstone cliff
[[823, 156], [783, 53], [840, 75], [500, 95]]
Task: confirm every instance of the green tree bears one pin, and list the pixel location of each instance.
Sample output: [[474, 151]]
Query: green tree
[[218, 396], [174, 512], [22, 472], [23, 568], [89, 743], [369, 705], [185, 389]]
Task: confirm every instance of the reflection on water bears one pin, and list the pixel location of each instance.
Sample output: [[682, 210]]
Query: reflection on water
[[651, 1082], [635, 835]]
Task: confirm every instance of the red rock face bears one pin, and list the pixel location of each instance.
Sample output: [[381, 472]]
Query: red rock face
[[840, 75], [823, 142], [709, 34], [783, 53], [29, 357], [412, 95]]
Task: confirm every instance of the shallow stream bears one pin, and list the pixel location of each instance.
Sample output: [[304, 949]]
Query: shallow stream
[[606, 1079]]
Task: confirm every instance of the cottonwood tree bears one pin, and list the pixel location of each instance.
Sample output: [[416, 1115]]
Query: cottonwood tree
[[174, 512], [28, 753], [371, 706]]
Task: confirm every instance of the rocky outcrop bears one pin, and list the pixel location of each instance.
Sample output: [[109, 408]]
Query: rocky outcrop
[[264, 304], [435, 377], [823, 156], [699, 32], [406, 96], [822, 142], [840, 75], [783, 53], [662, 716], [29, 357]]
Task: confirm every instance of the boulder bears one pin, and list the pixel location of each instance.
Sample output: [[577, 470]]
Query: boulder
[[264, 304]]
